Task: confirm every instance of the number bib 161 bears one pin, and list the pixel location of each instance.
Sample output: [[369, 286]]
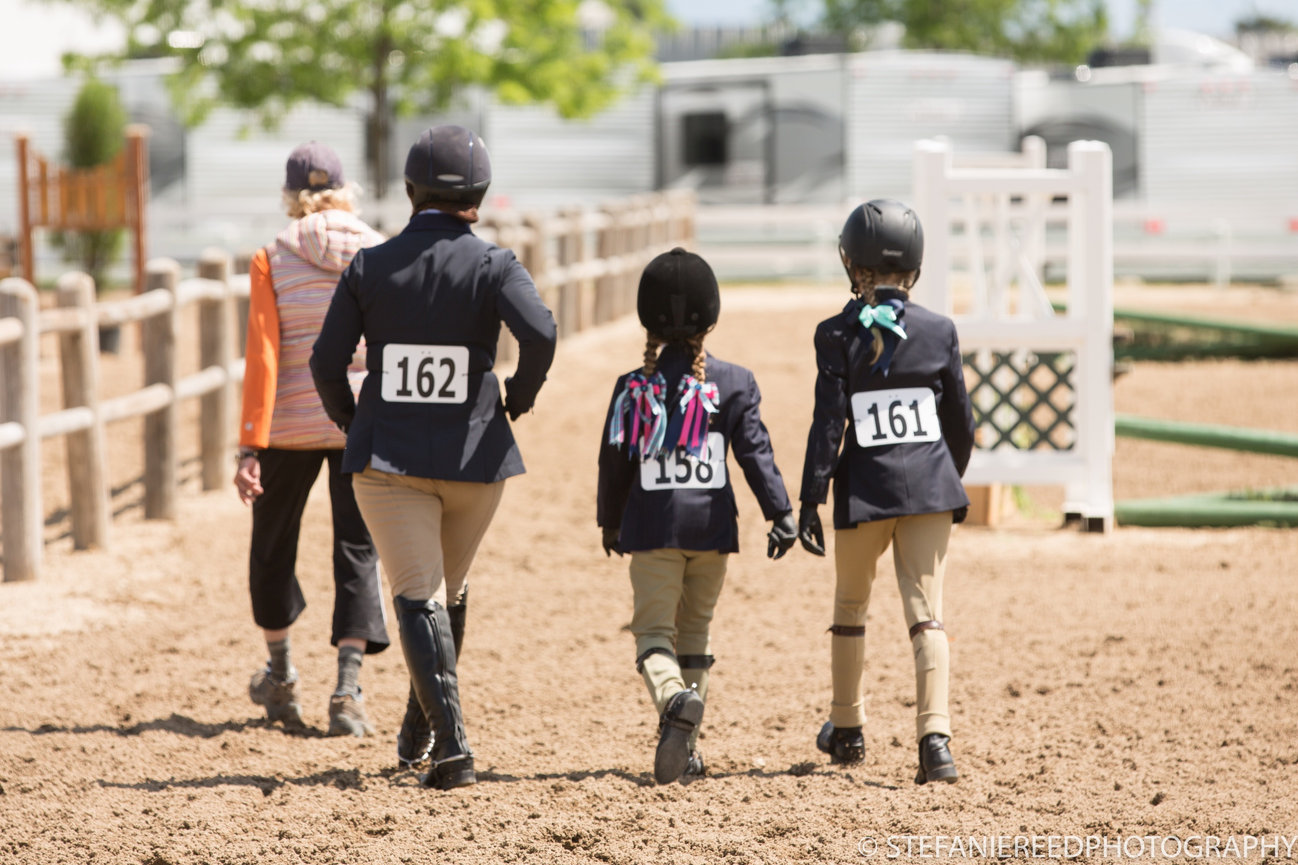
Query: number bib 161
[[673, 472], [425, 373], [890, 417]]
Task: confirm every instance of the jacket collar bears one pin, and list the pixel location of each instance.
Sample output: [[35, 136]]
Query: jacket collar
[[437, 221]]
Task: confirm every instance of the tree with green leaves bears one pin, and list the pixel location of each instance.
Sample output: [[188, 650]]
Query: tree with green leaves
[[410, 56], [1029, 31], [94, 132]]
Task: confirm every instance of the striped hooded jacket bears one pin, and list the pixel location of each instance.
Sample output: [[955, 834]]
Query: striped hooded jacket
[[292, 283]]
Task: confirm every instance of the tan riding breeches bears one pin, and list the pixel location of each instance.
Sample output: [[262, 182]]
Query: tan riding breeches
[[919, 553], [426, 530], [675, 593]]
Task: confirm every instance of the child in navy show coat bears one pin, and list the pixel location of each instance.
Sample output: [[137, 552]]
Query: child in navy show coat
[[665, 495], [892, 431]]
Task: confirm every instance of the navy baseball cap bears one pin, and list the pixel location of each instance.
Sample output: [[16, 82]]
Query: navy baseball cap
[[313, 166]]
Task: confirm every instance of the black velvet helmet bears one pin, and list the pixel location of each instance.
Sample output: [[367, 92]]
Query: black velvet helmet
[[448, 163], [678, 296], [884, 236]]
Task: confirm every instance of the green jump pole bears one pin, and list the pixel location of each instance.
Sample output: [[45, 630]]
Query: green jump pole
[[1207, 435], [1271, 333], [1205, 512]]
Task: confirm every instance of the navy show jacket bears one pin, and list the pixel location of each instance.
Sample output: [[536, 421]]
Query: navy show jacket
[[898, 478], [433, 299], [666, 517]]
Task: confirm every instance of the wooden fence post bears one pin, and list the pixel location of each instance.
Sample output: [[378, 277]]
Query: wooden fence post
[[629, 279], [216, 412], [158, 336], [570, 252], [242, 264], [136, 187], [537, 260], [21, 516], [642, 238], [87, 469], [24, 209], [608, 246], [508, 236]]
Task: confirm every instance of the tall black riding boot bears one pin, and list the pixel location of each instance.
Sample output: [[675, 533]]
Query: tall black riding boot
[[415, 739], [429, 648]]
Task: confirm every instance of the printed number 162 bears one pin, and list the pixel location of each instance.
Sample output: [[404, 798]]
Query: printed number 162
[[425, 381]]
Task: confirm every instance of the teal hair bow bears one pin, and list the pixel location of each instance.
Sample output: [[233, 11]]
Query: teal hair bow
[[885, 316]]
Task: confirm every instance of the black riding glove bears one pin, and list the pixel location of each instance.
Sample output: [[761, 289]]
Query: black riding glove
[[514, 406], [610, 540], [960, 514], [779, 540], [809, 530]]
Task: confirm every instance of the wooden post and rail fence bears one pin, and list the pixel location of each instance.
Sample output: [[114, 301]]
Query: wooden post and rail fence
[[586, 265]]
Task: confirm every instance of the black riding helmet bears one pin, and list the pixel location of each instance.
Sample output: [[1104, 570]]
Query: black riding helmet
[[884, 236], [448, 163], [678, 296]]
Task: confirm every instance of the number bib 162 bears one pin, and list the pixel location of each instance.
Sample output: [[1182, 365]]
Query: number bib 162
[[673, 472], [900, 416], [425, 373]]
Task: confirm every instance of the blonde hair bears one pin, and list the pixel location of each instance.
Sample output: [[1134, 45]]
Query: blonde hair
[[651, 346], [302, 202], [865, 280], [698, 366]]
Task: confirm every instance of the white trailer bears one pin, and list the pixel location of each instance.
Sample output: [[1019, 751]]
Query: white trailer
[[1205, 167]]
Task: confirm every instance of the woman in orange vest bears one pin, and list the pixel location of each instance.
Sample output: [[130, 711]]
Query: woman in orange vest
[[285, 436]]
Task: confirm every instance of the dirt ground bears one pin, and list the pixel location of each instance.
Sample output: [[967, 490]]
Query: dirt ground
[[1141, 683]]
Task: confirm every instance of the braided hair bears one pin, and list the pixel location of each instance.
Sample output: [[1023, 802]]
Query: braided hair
[[865, 281], [651, 346], [699, 357]]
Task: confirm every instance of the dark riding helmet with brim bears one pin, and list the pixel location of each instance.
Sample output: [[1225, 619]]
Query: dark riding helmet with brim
[[448, 164], [884, 236], [678, 296]]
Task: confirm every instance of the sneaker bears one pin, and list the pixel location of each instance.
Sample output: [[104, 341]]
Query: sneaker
[[684, 712], [935, 763], [279, 697], [695, 768], [347, 716], [844, 745]]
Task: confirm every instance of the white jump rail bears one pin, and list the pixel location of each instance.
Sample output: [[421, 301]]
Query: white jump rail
[[1085, 469]]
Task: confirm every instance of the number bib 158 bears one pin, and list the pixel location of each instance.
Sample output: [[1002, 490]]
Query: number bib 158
[[673, 472], [900, 416], [425, 373]]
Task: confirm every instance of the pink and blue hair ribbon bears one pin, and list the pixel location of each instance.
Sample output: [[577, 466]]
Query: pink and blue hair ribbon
[[689, 427], [639, 418]]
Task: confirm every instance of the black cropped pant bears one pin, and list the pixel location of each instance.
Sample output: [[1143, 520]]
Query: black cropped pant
[[287, 477]]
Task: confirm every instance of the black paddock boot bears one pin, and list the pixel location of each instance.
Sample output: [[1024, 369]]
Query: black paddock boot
[[935, 763], [683, 713], [415, 739], [844, 745], [429, 649]]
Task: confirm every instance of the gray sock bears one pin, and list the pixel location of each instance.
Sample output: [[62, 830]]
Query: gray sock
[[281, 663], [349, 671]]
